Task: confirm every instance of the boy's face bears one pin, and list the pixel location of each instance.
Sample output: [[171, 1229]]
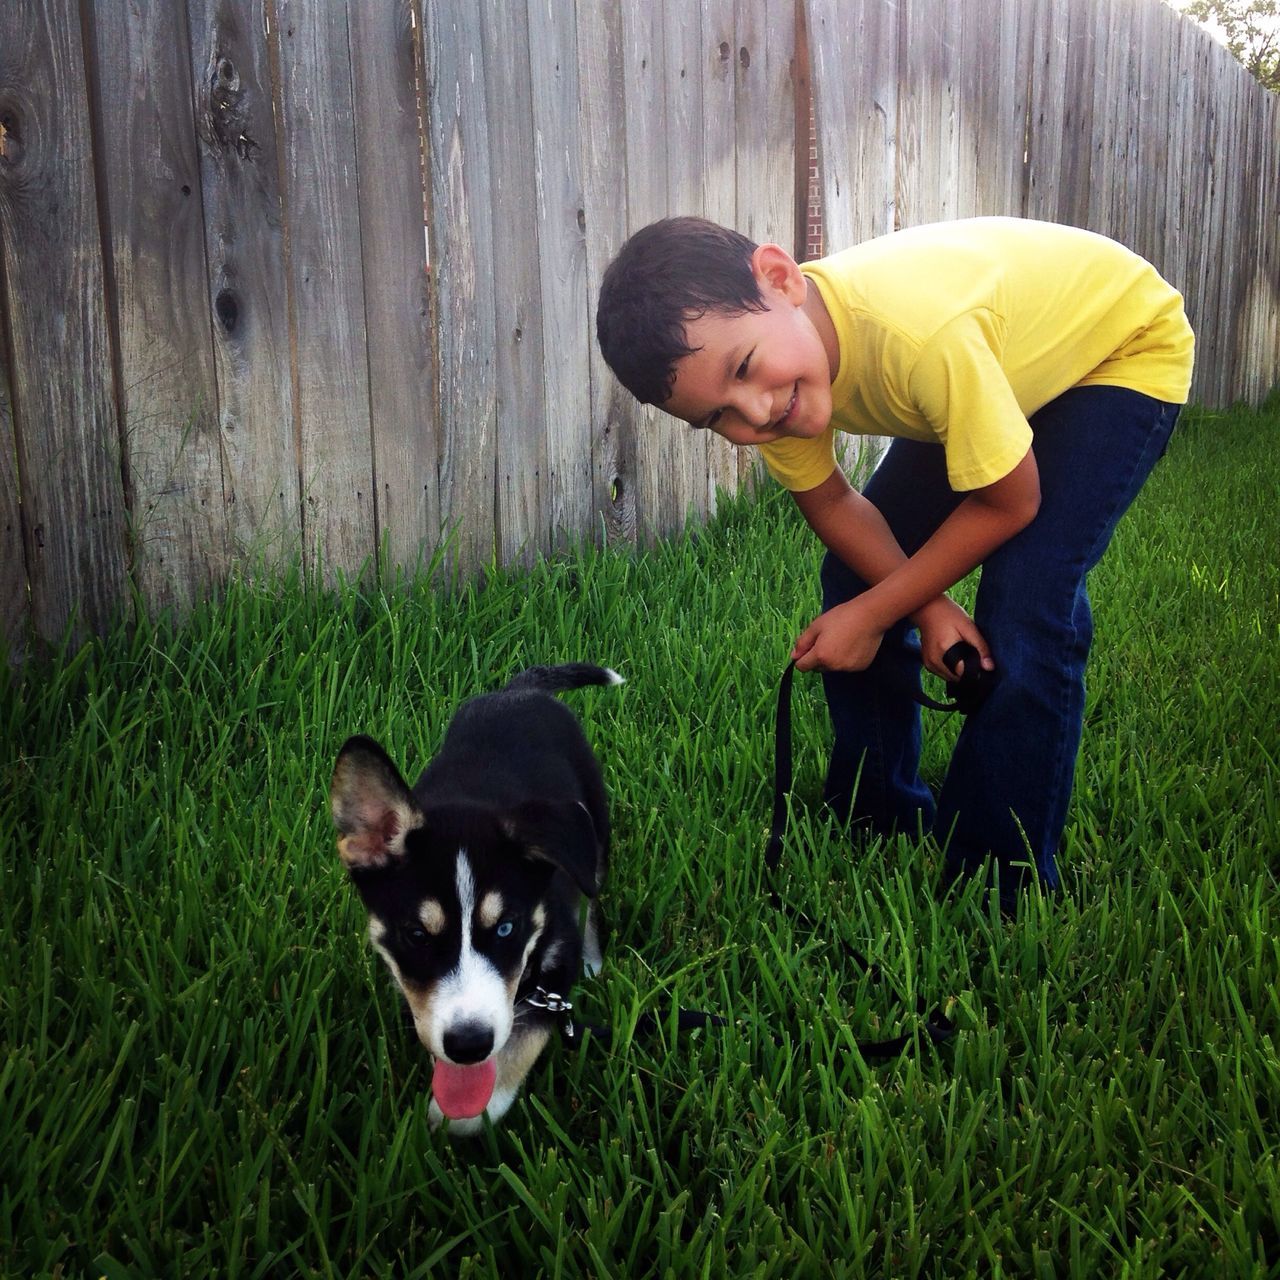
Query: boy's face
[[761, 376]]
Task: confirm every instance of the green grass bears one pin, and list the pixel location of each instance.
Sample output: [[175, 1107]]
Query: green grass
[[203, 1070]]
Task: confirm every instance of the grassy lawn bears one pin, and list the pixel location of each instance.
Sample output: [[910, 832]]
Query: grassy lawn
[[203, 1070]]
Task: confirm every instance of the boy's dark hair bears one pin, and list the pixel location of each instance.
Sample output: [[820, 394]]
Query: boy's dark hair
[[667, 274]]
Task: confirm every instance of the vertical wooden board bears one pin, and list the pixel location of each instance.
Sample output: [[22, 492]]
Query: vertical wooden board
[[854, 50], [1105, 84], [928, 148], [326, 285], [15, 601], [1211, 279], [1265, 150], [1013, 104], [246, 294], [1076, 154], [1269, 265], [566, 308], [1229, 264], [644, 86], [995, 55], [68, 442], [386, 53], [463, 267], [521, 425], [604, 191], [765, 99], [719, 198], [1249, 337], [1194, 195], [1046, 125], [1123, 70], [167, 398], [855, 73], [1109, 110], [684, 450], [1153, 137], [1172, 261], [1239, 210], [977, 146]]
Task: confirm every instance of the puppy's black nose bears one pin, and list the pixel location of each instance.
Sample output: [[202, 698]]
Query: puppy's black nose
[[468, 1042]]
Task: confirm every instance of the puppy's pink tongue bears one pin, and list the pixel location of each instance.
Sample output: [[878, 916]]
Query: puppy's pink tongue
[[463, 1092]]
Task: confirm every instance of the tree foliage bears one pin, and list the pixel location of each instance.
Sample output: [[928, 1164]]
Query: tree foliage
[[1252, 29]]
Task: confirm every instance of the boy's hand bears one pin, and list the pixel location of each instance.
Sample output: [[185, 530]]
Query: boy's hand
[[942, 622], [842, 639]]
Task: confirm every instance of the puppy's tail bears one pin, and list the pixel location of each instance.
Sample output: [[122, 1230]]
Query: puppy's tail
[[568, 675]]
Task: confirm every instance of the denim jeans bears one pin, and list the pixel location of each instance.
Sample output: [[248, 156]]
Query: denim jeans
[[1009, 782]]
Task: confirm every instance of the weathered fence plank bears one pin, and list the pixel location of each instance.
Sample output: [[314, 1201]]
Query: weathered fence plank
[[766, 136], [246, 294], [718, 199], [67, 430], [326, 283], [562, 259], [1046, 125], [685, 157], [613, 412], [928, 138], [386, 55], [458, 160], [855, 74], [15, 608], [644, 88], [519, 356], [1075, 163], [156, 265]]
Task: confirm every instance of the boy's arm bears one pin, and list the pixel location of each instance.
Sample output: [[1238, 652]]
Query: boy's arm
[[846, 638]]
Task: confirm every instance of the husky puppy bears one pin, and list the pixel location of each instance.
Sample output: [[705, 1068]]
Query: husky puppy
[[474, 881]]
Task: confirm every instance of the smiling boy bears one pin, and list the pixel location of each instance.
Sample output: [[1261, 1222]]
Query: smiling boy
[[1030, 375]]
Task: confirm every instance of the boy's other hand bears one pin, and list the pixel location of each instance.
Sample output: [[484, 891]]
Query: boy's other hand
[[942, 623], [842, 639]]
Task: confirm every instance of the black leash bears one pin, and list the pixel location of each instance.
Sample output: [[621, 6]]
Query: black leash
[[971, 690], [969, 693]]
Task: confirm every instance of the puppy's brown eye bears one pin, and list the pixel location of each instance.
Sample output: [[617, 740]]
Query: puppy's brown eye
[[417, 936]]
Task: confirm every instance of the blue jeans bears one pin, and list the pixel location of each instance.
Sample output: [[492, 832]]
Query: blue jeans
[[1009, 782]]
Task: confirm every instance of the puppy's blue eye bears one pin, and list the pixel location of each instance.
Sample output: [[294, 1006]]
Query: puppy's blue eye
[[504, 929]]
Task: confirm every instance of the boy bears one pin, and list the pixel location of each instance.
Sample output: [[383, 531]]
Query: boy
[[1031, 375]]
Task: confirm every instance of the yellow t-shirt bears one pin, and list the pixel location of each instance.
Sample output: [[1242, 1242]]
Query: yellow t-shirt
[[956, 333]]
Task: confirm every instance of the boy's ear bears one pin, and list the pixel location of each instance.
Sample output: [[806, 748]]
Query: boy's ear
[[774, 268]]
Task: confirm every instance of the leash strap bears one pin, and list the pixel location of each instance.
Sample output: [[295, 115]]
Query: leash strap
[[935, 1023], [970, 692]]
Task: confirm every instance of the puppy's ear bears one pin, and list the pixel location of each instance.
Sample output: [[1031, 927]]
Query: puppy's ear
[[561, 833], [372, 808]]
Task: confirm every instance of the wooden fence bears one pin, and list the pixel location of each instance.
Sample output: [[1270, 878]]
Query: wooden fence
[[226, 338]]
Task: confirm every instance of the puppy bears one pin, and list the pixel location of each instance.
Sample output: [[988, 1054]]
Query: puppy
[[474, 881]]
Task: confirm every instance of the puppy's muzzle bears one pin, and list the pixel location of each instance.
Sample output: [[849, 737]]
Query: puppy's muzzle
[[468, 1042]]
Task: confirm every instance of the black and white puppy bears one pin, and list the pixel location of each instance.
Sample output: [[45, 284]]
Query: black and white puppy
[[474, 880]]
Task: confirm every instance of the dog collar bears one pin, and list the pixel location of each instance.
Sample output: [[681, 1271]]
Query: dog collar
[[552, 1002]]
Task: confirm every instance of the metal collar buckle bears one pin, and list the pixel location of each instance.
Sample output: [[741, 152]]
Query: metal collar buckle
[[552, 1002]]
